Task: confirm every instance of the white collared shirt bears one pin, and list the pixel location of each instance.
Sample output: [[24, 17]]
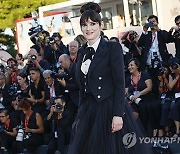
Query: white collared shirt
[[154, 49], [85, 65]]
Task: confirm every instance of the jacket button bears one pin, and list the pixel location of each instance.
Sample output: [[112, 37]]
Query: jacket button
[[99, 88], [100, 78], [98, 96]]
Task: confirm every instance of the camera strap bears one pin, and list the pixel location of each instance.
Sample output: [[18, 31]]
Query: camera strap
[[153, 38]]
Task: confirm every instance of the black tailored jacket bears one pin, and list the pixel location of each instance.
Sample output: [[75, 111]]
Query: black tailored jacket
[[145, 41], [71, 85], [105, 74]]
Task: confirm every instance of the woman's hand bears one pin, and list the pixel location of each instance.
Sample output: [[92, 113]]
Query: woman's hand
[[134, 97], [117, 124]]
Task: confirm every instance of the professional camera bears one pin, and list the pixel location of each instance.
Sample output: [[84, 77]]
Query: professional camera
[[137, 100], [51, 41], [58, 107], [161, 71], [176, 34], [155, 61], [14, 92], [131, 37], [20, 134], [36, 29], [33, 57], [60, 75], [1, 128]]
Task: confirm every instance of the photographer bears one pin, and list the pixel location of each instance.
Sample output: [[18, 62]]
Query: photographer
[[36, 92], [32, 129], [52, 87], [154, 50], [174, 84], [60, 131], [8, 130], [175, 35], [70, 84], [57, 48], [35, 60], [130, 40]]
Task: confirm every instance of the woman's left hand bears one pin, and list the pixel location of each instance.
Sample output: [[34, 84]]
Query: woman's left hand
[[134, 97], [117, 124]]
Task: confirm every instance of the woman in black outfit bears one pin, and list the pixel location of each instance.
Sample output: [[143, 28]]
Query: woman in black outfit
[[33, 129], [103, 116]]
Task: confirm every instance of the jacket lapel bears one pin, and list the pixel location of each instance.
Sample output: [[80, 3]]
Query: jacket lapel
[[99, 55], [81, 54]]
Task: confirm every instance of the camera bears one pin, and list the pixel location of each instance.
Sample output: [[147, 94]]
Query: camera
[[131, 36], [155, 61], [161, 71], [20, 134], [176, 34], [33, 57], [14, 92], [137, 100], [36, 29], [59, 75], [51, 41], [58, 107]]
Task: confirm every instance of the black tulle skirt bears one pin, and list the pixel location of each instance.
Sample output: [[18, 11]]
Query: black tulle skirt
[[93, 131]]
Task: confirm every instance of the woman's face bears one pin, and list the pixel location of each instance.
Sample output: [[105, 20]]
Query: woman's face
[[20, 80], [132, 67], [91, 30]]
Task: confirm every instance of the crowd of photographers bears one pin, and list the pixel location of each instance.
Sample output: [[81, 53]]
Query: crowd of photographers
[[39, 99]]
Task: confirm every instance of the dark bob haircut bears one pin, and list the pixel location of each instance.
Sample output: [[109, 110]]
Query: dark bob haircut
[[90, 11]]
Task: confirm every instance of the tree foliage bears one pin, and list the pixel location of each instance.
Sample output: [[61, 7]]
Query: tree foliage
[[11, 10], [9, 42]]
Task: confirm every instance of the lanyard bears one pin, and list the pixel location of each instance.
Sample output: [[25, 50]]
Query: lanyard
[[7, 126], [26, 122], [154, 38], [135, 85]]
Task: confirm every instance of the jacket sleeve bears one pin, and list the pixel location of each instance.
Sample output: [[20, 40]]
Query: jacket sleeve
[[117, 70]]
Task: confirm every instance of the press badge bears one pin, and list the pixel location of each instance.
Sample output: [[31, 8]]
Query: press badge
[[163, 96], [177, 95], [136, 92]]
